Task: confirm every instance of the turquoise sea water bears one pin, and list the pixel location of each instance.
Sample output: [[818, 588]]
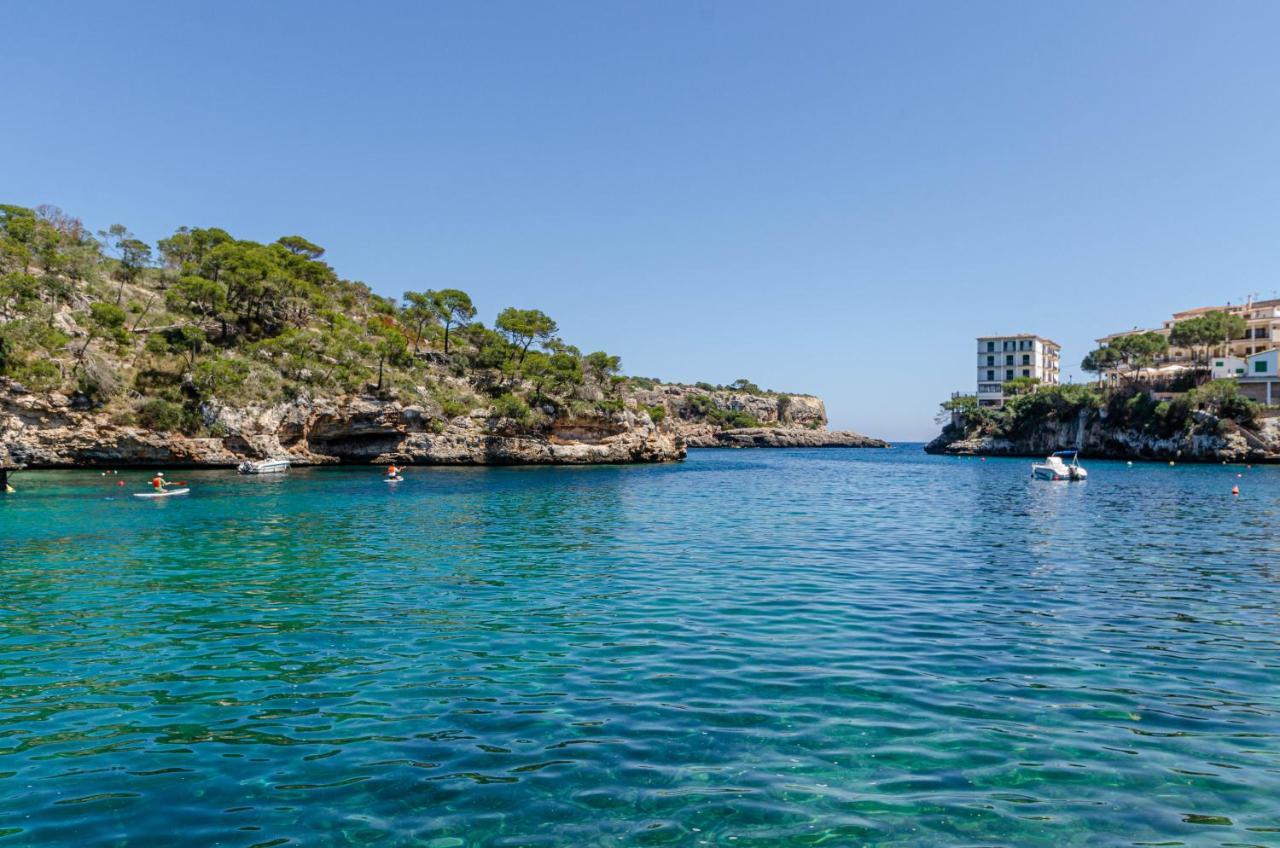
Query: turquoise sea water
[[761, 648]]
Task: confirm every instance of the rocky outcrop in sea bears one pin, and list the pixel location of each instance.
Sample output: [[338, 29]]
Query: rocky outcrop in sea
[[704, 418], [1210, 440]]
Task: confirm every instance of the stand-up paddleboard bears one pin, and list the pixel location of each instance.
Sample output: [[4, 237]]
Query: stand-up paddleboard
[[392, 479], [167, 494]]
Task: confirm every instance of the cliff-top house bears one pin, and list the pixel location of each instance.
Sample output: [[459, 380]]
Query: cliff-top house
[[1002, 358]]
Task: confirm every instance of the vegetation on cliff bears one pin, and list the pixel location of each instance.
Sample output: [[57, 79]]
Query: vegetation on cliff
[[154, 336], [167, 337], [1125, 408]]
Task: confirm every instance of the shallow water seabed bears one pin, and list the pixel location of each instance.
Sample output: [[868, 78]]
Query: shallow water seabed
[[827, 647]]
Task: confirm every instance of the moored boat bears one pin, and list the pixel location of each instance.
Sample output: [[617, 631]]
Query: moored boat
[[263, 466], [1055, 467]]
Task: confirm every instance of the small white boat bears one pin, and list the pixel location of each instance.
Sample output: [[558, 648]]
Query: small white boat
[[1056, 468], [263, 466], [167, 493]]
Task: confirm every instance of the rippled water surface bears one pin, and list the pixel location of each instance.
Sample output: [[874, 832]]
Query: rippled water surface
[[750, 648]]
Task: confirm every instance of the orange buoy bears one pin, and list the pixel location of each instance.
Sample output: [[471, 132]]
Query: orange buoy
[[1235, 490]]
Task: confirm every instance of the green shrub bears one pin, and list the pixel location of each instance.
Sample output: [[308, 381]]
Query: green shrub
[[509, 406], [39, 375], [704, 408], [452, 404], [108, 320], [699, 406], [218, 377], [160, 414], [657, 413], [735, 419], [31, 334], [1223, 398]]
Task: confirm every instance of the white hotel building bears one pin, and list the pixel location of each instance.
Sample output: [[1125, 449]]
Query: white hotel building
[[1002, 358]]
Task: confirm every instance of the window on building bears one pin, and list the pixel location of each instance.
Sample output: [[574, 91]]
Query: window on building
[[991, 375], [1026, 359], [991, 345], [991, 360], [1008, 360], [1008, 375], [1026, 372], [1260, 367]]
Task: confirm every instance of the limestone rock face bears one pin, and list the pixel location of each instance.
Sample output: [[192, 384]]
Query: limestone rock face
[[793, 437], [51, 430], [43, 431], [711, 418]]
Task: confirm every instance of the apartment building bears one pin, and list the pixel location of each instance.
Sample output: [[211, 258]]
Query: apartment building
[[1002, 358], [1262, 327]]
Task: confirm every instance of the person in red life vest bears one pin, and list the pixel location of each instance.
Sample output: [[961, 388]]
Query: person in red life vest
[[158, 482]]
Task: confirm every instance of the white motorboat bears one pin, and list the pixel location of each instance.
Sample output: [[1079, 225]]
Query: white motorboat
[[1055, 467], [263, 466]]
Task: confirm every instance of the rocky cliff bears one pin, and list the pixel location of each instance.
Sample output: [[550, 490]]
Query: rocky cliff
[[52, 430], [706, 418], [219, 349], [47, 431], [1208, 439]]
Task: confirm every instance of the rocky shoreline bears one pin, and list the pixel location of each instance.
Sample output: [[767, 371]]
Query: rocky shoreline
[[1211, 440], [783, 437], [52, 431], [45, 432], [778, 420]]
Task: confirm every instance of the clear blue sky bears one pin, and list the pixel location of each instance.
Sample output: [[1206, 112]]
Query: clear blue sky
[[833, 197]]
